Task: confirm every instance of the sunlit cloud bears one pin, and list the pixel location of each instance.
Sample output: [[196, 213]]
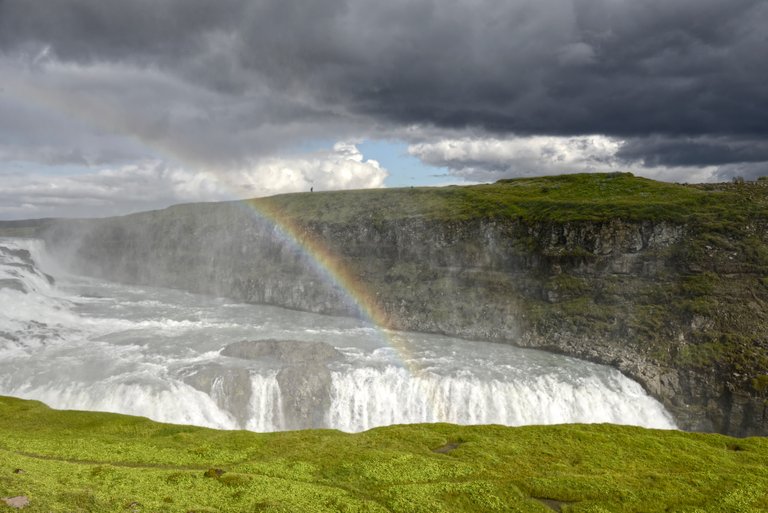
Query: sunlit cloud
[[156, 184], [487, 159]]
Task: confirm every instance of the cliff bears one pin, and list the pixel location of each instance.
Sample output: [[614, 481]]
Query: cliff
[[668, 283]]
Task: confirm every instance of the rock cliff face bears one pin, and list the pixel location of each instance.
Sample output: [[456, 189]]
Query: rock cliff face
[[671, 304]]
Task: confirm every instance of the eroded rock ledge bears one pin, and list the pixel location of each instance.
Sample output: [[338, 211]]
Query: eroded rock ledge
[[303, 376]]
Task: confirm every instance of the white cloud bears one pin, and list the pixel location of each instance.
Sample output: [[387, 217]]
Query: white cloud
[[478, 158], [344, 167], [156, 184], [488, 159], [114, 113]]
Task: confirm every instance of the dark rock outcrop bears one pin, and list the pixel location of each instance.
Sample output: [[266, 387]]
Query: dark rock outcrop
[[13, 284], [304, 379], [289, 352], [230, 387], [306, 395], [20, 259]]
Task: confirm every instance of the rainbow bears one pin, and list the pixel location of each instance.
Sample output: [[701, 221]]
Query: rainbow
[[325, 262], [330, 266]]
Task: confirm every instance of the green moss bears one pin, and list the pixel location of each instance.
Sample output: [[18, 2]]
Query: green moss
[[122, 463], [699, 284], [703, 306], [760, 384], [701, 355], [569, 284]]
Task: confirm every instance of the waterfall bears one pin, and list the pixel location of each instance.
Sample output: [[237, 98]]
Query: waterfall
[[80, 343], [368, 397]]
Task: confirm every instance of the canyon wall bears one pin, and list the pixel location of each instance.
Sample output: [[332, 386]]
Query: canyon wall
[[675, 306]]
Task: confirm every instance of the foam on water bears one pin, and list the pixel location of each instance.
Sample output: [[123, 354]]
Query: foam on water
[[367, 397], [265, 409], [165, 402], [32, 310], [94, 345]]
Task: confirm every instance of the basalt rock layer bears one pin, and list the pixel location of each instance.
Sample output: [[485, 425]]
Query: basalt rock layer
[[665, 282]]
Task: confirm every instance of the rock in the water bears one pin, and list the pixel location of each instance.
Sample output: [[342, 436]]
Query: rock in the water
[[229, 387], [22, 254], [23, 263], [21, 501], [13, 284], [305, 382], [283, 351], [306, 394]]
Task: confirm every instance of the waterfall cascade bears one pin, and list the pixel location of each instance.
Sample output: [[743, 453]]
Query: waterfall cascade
[[86, 344]]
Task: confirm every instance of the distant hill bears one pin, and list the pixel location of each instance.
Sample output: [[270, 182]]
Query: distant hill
[[24, 228]]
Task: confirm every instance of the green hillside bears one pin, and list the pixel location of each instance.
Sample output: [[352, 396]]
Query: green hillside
[[563, 198], [576, 197], [65, 461]]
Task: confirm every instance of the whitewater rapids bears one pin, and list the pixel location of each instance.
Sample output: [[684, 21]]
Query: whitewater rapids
[[80, 343]]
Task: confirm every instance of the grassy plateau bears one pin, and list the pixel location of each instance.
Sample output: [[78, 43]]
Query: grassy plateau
[[564, 198], [68, 461]]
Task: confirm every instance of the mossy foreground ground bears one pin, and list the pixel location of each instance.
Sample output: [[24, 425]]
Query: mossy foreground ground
[[66, 461]]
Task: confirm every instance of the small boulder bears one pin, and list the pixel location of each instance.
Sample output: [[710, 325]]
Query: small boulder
[[21, 501], [214, 472]]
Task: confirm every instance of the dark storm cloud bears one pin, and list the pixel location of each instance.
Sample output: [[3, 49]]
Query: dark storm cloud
[[136, 30], [748, 171], [544, 66], [694, 151], [682, 81]]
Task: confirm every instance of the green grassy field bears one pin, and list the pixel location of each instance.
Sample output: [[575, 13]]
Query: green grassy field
[[564, 198], [66, 461]]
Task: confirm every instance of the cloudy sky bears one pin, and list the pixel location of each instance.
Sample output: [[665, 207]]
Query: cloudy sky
[[116, 106]]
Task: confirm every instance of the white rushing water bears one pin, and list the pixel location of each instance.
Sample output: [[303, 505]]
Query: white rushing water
[[87, 344]]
